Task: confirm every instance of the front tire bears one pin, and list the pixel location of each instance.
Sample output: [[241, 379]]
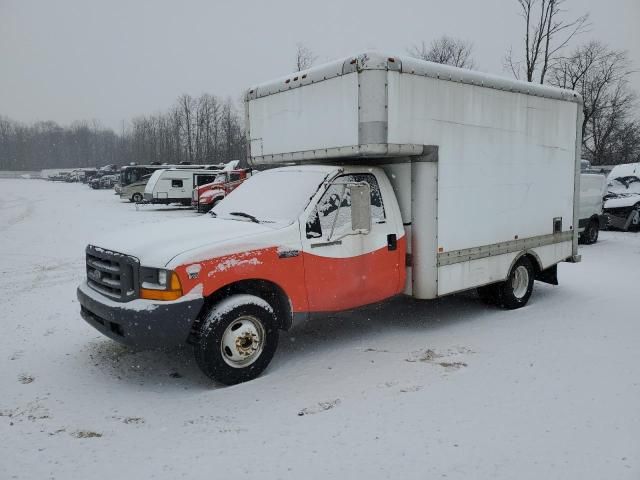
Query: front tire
[[203, 208], [237, 339]]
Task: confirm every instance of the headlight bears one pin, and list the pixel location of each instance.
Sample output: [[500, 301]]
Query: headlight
[[159, 284]]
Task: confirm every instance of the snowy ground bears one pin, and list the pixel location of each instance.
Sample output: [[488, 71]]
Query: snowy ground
[[446, 389]]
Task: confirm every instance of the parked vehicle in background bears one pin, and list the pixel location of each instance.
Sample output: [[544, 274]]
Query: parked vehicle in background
[[591, 218], [175, 185], [103, 182], [109, 169], [135, 173], [134, 192], [108, 181], [412, 177], [89, 173], [622, 201], [206, 196], [73, 176], [94, 182]]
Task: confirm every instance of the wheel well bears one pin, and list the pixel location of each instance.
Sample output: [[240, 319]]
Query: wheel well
[[268, 291], [533, 258]]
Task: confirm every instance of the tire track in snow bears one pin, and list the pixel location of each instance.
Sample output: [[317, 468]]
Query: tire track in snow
[[27, 211]]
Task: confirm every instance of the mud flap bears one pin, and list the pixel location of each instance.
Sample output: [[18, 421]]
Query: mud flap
[[550, 275]]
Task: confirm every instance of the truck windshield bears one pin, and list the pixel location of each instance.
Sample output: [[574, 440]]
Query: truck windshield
[[273, 196]]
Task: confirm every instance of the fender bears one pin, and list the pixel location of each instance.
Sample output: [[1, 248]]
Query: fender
[[284, 269]]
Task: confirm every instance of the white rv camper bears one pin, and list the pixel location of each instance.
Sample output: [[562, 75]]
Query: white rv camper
[[175, 185]]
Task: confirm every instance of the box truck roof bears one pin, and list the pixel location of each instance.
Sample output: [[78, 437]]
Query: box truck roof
[[405, 64]]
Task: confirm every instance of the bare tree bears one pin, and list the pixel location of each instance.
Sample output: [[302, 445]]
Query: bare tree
[[446, 50], [304, 57], [546, 32], [601, 76]]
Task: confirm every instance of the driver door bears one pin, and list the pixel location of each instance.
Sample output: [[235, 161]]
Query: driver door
[[344, 270]]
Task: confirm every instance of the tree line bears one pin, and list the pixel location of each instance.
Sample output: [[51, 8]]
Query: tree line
[[611, 120], [204, 129]]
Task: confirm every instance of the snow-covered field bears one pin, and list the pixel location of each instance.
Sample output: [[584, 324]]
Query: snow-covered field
[[447, 389]]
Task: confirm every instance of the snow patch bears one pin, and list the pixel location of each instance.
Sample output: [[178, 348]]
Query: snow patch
[[194, 270], [234, 262]]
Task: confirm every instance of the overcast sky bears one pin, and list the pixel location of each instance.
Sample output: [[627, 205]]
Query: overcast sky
[[66, 60]]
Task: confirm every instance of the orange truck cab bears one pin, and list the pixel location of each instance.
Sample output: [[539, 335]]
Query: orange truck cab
[[206, 196], [330, 238]]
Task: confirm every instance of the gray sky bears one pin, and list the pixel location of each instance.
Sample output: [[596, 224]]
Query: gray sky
[[66, 60]]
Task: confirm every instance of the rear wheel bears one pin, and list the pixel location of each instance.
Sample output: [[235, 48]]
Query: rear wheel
[[136, 197], [237, 339], [590, 234], [516, 290]]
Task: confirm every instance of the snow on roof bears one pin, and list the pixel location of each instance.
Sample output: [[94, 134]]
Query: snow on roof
[[624, 170], [232, 165]]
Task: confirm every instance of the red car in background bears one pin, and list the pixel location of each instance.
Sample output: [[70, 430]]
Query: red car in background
[[206, 196]]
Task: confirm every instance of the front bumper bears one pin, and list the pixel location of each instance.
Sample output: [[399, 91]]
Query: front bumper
[[140, 323]]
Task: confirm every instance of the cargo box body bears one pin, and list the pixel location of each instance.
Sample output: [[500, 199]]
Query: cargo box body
[[484, 169]]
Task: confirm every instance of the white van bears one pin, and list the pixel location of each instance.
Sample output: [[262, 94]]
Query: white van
[[175, 185], [590, 217]]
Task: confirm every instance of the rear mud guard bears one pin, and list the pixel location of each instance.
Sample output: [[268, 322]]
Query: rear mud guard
[[550, 275]]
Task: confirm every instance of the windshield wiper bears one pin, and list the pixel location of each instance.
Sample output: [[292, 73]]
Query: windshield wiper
[[245, 215]]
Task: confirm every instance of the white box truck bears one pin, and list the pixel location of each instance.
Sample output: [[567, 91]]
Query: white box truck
[[393, 176]]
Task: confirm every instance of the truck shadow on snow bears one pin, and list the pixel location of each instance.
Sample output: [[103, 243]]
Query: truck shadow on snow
[[176, 369]]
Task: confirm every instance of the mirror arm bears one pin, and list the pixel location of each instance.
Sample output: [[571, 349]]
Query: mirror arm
[[335, 219]]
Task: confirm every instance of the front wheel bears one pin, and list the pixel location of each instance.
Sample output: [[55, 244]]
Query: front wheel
[[237, 339]]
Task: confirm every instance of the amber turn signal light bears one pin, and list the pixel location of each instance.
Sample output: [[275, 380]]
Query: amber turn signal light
[[173, 292]]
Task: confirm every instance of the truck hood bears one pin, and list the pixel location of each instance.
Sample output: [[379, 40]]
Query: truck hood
[[157, 243], [622, 200]]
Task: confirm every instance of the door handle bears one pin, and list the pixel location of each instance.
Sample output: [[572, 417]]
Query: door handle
[[392, 242], [326, 244]]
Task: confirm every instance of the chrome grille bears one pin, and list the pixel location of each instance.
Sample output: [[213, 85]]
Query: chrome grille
[[112, 274]]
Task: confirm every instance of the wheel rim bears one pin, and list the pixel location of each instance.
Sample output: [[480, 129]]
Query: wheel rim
[[520, 281], [137, 197], [242, 342]]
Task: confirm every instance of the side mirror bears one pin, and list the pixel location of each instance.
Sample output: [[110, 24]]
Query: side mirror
[[360, 207]]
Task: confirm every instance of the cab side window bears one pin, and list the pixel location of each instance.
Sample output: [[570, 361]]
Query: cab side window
[[333, 211], [176, 183]]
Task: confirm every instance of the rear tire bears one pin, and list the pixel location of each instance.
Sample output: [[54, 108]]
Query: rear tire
[[136, 197], [516, 290], [237, 339], [590, 234]]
